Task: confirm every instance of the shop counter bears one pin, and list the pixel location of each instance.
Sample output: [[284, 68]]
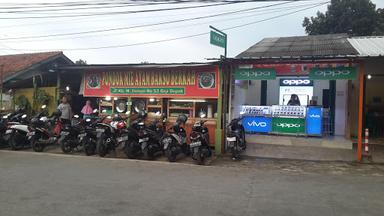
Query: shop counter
[[294, 120]]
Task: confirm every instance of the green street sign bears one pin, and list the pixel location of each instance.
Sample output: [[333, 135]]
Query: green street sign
[[147, 91], [288, 125], [218, 39], [255, 74], [339, 73]]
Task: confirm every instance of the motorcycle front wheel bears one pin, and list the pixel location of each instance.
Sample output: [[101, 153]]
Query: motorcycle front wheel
[[171, 153], [16, 141], [101, 147], [36, 145], [65, 144], [89, 146]]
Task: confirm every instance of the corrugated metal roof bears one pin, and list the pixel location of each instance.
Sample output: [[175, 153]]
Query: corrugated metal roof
[[331, 45], [368, 46]]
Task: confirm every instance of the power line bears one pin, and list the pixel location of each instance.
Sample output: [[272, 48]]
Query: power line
[[182, 37], [144, 25], [255, 13]]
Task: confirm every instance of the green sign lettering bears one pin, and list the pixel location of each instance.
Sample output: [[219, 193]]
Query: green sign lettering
[[255, 74], [339, 73], [218, 39], [148, 91], [288, 125]]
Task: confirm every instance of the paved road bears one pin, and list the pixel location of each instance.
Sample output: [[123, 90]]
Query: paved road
[[46, 184]]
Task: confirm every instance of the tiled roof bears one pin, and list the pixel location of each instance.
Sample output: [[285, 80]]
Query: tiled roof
[[14, 63], [332, 45], [368, 46]]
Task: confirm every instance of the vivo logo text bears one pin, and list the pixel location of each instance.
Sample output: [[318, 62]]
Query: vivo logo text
[[257, 124], [314, 116]]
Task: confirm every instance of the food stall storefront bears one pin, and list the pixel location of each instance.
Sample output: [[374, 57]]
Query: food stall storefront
[[170, 90], [300, 99]]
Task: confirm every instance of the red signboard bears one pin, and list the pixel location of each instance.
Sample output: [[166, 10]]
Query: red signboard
[[171, 83]]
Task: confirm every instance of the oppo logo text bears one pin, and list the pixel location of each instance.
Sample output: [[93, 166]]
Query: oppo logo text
[[286, 125], [296, 82], [255, 73], [333, 73]]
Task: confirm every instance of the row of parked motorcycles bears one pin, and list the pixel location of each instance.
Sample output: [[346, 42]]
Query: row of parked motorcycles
[[104, 135]]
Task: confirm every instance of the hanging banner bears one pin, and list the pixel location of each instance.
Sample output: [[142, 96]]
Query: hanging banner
[[255, 74], [178, 84], [339, 73]]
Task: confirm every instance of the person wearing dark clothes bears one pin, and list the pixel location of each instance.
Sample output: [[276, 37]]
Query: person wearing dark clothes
[[294, 101]]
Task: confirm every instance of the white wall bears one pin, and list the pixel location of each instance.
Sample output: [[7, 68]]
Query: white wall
[[273, 90], [318, 87], [341, 111], [254, 93]]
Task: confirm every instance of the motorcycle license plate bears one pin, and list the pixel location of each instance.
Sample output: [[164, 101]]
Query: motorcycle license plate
[[100, 130], [122, 139], [231, 139], [8, 131], [195, 144], [144, 139], [64, 133]]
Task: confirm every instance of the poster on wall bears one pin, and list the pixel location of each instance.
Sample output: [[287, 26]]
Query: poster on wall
[[178, 84]]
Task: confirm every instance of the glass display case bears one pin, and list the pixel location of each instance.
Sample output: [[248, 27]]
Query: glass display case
[[248, 110], [289, 111]]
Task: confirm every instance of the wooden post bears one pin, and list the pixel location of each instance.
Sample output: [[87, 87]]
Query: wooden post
[[1, 90], [360, 111], [219, 131]]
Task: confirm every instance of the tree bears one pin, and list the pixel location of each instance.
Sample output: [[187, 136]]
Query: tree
[[380, 22], [81, 62], [355, 17]]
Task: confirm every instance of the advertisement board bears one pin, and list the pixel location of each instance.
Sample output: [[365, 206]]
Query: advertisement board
[[288, 125], [160, 83], [257, 124], [314, 121], [255, 74], [339, 73]]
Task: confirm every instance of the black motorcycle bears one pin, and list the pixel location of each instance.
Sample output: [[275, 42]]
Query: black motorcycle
[[9, 120], [81, 135], [175, 141], [110, 136], [199, 145], [144, 141], [236, 138]]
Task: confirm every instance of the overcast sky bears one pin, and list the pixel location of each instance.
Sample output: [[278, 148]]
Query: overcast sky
[[194, 49]]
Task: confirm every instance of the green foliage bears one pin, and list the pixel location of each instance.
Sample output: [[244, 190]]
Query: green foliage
[[22, 102], [42, 97], [355, 17], [81, 62]]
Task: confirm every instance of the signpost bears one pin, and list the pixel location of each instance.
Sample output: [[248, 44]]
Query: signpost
[[219, 38]]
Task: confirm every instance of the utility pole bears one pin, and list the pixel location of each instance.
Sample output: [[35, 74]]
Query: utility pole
[[1, 90]]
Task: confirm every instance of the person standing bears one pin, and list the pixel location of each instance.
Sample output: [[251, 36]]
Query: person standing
[[87, 109], [66, 111]]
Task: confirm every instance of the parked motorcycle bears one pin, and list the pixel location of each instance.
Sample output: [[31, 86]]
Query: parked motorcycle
[[44, 130], [236, 138], [15, 118], [199, 145], [175, 141], [110, 136], [80, 135], [145, 141], [18, 133]]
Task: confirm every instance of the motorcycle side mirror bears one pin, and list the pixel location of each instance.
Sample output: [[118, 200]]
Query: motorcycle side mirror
[[95, 111], [44, 106], [76, 116], [128, 112], [24, 116], [88, 120]]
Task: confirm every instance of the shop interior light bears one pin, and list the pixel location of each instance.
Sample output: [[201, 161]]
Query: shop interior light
[[67, 88], [115, 98], [151, 99], [369, 76], [188, 100], [108, 98]]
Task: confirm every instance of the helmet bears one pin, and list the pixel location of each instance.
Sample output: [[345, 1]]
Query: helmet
[[120, 125], [182, 119]]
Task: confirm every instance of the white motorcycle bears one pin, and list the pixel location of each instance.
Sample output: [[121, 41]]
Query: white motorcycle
[[17, 134]]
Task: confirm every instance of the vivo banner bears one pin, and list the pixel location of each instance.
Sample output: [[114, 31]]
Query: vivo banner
[[314, 121], [257, 124], [296, 82]]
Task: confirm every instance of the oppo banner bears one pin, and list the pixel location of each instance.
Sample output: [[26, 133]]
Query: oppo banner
[[257, 124], [288, 125], [296, 82], [255, 74], [339, 73]]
